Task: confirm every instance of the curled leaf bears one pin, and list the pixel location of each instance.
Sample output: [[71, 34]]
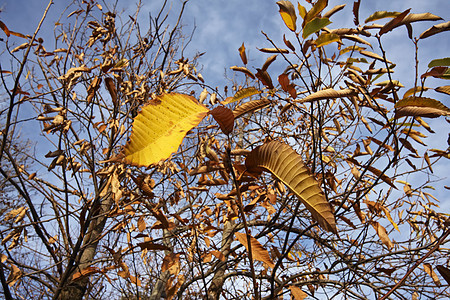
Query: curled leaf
[[435, 29], [287, 166], [242, 54], [242, 94], [243, 70], [328, 94]]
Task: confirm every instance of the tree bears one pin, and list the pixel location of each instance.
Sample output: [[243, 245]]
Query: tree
[[297, 186]]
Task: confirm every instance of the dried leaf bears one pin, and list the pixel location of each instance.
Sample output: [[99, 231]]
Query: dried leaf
[[297, 292], [445, 272], [225, 117], [242, 94], [287, 166], [268, 61], [250, 106], [382, 234], [258, 251], [243, 70], [264, 77], [160, 127], [420, 107], [328, 94], [274, 50], [327, 38], [5, 29], [381, 15], [152, 246], [334, 10], [435, 29], [429, 270], [394, 22], [443, 89], [242, 54], [373, 55]]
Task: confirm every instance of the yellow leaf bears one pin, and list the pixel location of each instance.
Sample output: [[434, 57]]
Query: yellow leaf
[[287, 12], [258, 251], [286, 165], [382, 234], [160, 127], [420, 107], [250, 106]]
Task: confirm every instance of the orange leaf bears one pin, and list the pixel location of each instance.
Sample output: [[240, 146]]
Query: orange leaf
[[242, 54], [297, 292], [258, 251], [287, 166]]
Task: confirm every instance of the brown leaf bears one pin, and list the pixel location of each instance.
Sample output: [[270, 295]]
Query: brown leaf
[[93, 87], [274, 50], [243, 70], [171, 263], [250, 106], [382, 234], [5, 29], [111, 87], [297, 292], [328, 94], [356, 5], [394, 22], [258, 251], [225, 117], [264, 77], [445, 272], [435, 29], [242, 54], [152, 246], [85, 272], [268, 61], [420, 107], [429, 270], [287, 166], [443, 89]]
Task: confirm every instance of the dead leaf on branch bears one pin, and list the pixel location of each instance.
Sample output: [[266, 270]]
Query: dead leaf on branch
[[258, 251], [328, 94], [287, 166], [225, 117]]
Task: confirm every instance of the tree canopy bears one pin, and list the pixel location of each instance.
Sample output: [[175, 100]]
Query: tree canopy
[[308, 178]]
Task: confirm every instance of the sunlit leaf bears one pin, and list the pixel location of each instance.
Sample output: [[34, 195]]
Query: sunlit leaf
[[381, 15], [287, 166], [315, 10], [301, 10], [274, 50], [390, 82], [420, 107], [351, 49], [327, 38], [443, 89], [373, 55], [242, 94], [160, 127], [437, 72], [442, 62], [265, 78], [328, 94], [429, 270], [297, 292], [314, 26], [355, 38], [435, 29], [382, 234], [5, 29], [268, 62], [415, 90], [243, 70], [250, 106], [224, 116], [242, 54], [258, 251], [287, 12]]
